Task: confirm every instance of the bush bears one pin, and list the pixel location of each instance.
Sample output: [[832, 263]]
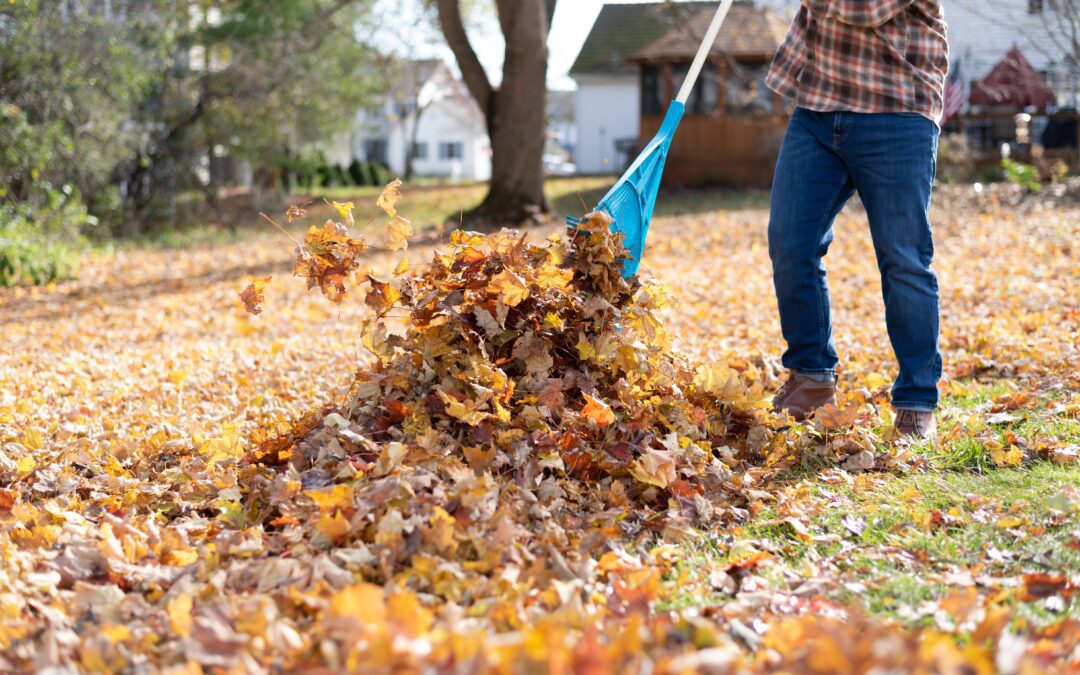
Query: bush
[[358, 173], [380, 175], [40, 238], [341, 179], [1019, 173]]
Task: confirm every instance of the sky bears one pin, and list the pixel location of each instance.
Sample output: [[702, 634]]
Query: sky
[[571, 25]]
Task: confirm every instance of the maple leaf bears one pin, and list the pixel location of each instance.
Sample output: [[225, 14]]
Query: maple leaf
[[597, 411], [511, 289], [655, 467], [398, 232], [327, 258], [346, 212], [833, 417], [382, 295], [295, 213], [389, 198], [535, 352], [253, 297]]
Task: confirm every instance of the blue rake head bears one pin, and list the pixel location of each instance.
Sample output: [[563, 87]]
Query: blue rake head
[[631, 201]]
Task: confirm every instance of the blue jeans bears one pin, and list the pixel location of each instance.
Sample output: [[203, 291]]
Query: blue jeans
[[890, 160]]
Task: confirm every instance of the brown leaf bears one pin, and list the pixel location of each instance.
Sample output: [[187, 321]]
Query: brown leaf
[[253, 297]]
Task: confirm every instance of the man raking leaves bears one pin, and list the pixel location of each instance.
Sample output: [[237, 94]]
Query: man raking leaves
[[867, 78]]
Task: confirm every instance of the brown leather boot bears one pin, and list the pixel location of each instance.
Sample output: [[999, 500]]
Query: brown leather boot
[[916, 424], [801, 395]]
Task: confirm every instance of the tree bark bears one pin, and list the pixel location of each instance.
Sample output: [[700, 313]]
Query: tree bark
[[515, 113]]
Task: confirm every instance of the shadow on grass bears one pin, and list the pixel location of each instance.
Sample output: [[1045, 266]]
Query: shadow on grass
[[672, 202]]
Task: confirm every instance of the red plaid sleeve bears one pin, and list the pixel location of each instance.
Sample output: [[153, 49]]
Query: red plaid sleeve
[[869, 56]]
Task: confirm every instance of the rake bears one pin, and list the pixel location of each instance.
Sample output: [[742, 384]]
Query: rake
[[631, 201]]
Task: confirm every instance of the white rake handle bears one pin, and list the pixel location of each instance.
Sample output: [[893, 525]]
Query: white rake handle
[[703, 51]]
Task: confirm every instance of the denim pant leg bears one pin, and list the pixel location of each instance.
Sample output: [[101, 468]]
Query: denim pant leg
[[892, 159], [810, 187]]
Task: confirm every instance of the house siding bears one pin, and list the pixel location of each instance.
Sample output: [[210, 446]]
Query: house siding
[[607, 111]]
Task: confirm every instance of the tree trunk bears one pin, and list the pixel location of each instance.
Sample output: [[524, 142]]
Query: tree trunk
[[410, 142], [516, 113]]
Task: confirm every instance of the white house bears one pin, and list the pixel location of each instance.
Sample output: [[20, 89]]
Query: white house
[[981, 32], [436, 113]]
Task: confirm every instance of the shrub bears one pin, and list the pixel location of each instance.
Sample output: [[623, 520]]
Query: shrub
[[339, 176], [324, 176], [358, 173], [40, 238], [1019, 173], [380, 175]]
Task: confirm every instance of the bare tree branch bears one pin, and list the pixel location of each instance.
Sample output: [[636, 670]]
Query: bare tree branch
[[472, 71]]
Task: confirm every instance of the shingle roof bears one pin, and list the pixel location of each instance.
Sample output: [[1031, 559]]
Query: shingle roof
[[748, 31], [622, 29]]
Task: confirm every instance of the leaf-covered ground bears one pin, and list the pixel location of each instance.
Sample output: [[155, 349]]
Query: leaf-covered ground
[[133, 537]]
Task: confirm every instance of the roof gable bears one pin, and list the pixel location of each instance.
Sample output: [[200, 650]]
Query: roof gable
[[748, 31], [622, 29]]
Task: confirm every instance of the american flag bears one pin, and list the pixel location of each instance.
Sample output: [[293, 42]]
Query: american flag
[[954, 93]]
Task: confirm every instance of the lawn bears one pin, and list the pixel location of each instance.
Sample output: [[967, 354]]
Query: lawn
[[128, 399]]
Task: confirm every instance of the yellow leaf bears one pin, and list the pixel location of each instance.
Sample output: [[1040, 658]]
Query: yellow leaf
[[182, 557], [553, 321], [440, 530], [335, 527], [407, 613], [389, 198], [398, 232], [33, 439], [361, 601], [875, 381], [720, 381], [337, 496], [116, 633], [179, 609], [553, 276], [26, 464], [466, 411], [585, 349], [510, 288], [345, 211], [178, 376], [402, 267]]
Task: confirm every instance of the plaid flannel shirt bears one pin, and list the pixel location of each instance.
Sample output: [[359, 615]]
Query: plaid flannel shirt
[[865, 56]]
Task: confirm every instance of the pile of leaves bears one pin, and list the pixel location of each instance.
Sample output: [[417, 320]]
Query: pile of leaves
[[523, 406]]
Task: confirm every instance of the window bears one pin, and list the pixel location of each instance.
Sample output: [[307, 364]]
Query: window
[[1035, 6], [746, 90], [419, 151], [454, 150], [375, 150], [652, 90], [703, 97]]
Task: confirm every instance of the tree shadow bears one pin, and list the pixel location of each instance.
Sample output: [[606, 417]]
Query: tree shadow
[[672, 202]]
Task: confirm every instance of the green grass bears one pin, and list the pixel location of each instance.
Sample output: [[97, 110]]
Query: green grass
[[903, 556], [431, 205], [923, 533]]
